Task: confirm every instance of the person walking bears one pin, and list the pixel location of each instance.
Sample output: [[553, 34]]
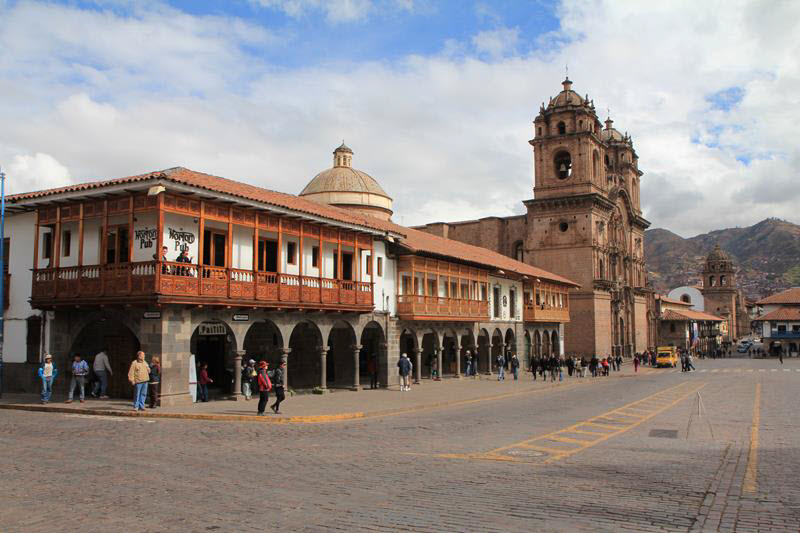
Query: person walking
[[570, 366], [154, 388], [372, 369], [689, 362], [102, 370], [533, 366], [404, 369], [501, 367], [80, 370], [264, 386], [636, 363], [619, 362], [277, 384], [515, 366], [203, 381], [584, 366], [780, 354], [139, 376], [604, 364], [47, 373], [468, 363], [248, 374]]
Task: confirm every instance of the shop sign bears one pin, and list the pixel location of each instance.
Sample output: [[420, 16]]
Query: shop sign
[[151, 315], [213, 328], [241, 317]]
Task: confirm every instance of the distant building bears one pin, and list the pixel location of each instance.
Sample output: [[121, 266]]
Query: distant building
[[780, 321], [722, 296], [690, 295], [680, 325]]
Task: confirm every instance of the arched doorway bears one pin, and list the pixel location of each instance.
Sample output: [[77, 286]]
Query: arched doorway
[[305, 343], [511, 346], [263, 341], [213, 344], [119, 343], [373, 341], [497, 348], [537, 343], [484, 351], [555, 345], [449, 359], [341, 356], [546, 344], [528, 351], [430, 345]]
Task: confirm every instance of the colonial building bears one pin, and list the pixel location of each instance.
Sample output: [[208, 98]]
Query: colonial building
[[680, 325], [779, 322], [584, 223], [201, 269], [722, 296]]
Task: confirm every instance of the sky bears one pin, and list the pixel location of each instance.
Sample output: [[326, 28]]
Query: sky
[[436, 99]]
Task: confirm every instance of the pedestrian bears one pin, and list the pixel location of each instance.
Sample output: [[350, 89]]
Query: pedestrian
[[468, 363], [780, 354], [689, 362], [570, 366], [47, 373], [277, 384], [604, 364], [154, 385], [80, 370], [264, 386], [434, 368], [594, 365], [139, 376], [102, 370], [555, 367], [372, 369], [636, 363], [584, 366], [248, 374], [410, 372], [203, 381], [515, 366], [619, 362], [404, 369], [501, 367], [684, 366]]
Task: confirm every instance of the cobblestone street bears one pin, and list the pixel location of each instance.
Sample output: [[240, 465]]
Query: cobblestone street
[[662, 450]]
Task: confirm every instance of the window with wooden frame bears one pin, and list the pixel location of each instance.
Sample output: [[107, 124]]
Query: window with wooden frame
[[47, 244], [369, 265], [315, 256], [117, 249], [66, 243], [380, 267], [215, 250], [291, 253], [267, 255]]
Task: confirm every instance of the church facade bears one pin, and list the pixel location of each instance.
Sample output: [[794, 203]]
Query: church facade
[[584, 222]]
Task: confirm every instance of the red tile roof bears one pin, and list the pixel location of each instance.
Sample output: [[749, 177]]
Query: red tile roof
[[784, 313], [789, 296], [415, 240], [684, 315]]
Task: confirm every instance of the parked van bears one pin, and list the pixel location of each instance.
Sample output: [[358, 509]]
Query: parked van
[[667, 356]]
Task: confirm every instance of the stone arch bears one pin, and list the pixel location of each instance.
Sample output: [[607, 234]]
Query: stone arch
[[497, 347], [526, 357], [213, 343], [305, 342], [373, 352], [340, 369], [518, 251], [120, 344], [537, 343], [263, 340], [483, 351], [555, 345], [546, 344], [449, 347], [510, 340], [429, 346]]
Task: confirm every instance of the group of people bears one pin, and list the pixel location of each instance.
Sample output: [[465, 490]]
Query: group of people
[[258, 377], [182, 257], [142, 375]]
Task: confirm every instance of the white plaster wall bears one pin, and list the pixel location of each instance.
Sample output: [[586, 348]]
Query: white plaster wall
[[180, 223], [20, 229], [308, 245], [285, 266], [242, 248], [697, 300], [71, 259], [505, 288], [92, 241], [329, 251], [385, 289], [145, 238]]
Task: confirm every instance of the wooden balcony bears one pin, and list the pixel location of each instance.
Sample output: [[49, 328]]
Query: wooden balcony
[[544, 313], [415, 307], [152, 282]]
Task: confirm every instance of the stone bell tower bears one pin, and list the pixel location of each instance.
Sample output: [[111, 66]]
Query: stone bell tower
[[720, 290], [585, 223]]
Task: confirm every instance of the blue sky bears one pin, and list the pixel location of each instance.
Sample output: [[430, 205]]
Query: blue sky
[[436, 98]]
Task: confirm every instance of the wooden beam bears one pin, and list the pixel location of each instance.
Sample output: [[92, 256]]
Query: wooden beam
[[201, 230], [80, 240], [130, 243], [229, 258], [36, 243]]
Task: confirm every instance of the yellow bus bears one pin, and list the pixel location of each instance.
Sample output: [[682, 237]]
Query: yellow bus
[[667, 356]]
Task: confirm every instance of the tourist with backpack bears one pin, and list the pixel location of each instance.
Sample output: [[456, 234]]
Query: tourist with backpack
[[277, 385], [264, 386]]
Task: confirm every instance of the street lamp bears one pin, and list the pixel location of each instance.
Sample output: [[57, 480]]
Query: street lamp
[[2, 269]]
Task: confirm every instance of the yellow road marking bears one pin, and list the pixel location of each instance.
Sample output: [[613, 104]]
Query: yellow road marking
[[750, 483], [587, 432], [570, 440]]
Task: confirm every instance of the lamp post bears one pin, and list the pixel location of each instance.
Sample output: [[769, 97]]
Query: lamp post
[[2, 270]]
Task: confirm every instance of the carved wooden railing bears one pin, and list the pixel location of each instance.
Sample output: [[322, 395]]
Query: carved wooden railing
[[544, 313], [437, 306]]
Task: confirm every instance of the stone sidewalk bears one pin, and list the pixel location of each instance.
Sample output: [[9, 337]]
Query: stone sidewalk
[[336, 405]]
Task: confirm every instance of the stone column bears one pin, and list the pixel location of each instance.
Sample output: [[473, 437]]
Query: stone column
[[357, 370], [237, 375], [323, 371], [458, 357], [383, 364], [417, 365], [285, 358], [439, 362]]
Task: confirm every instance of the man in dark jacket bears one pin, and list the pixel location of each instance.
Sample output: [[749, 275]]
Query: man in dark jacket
[[404, 369], [277, 384]]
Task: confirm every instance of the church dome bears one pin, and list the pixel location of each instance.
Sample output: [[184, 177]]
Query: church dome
[[349, 188], [567, 96], [610, 133]]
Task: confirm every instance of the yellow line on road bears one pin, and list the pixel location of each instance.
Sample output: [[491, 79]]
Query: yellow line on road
[[750, 483]]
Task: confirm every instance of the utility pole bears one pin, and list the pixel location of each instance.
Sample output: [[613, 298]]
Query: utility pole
[[2, 270]]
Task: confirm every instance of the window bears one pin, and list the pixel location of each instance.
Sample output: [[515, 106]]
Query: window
[[686, 299], [117, 245], [291, 253], [66, 243], [672, 327], [563, 165], [722, 281], [711, 281], [782, 327], [369, 265], [519, 251], [215, 250], [562, 128], [33, 339], [315, 258], [380, 266], [496, 302], [512, 303], [47, 245], [602, 269], [539, 131], [267, 255]]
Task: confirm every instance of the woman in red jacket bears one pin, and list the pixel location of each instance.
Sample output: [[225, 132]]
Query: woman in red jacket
[[264, 386], [203, 382]]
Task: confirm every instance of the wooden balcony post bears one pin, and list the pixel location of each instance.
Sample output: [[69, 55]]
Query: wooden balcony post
[[320, 261], [130, 244], [104, 249], [300, 263], [201, 230], [339, 275], [36, 244], [255, 256], [229, 254], [279, 265], [80, 239], [159, 239], [55, 253]]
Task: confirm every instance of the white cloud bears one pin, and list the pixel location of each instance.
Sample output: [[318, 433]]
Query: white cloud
[[107, 95], [496, 43], [336, 11], [37, 171]]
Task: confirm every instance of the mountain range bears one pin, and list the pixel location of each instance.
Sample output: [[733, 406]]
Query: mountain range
[[766, 256]]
